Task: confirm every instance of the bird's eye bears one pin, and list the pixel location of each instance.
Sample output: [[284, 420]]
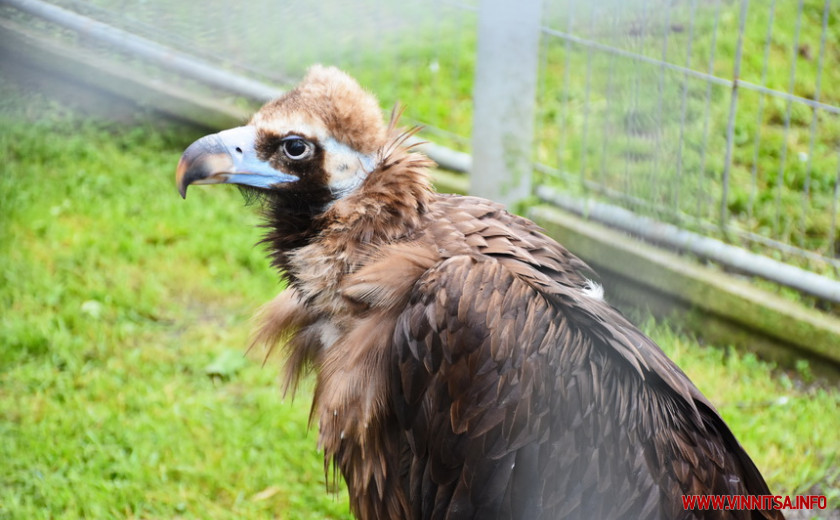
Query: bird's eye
[[297, 148]]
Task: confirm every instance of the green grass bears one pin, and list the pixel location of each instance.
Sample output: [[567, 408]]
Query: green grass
[[124, 392], [118, 299]]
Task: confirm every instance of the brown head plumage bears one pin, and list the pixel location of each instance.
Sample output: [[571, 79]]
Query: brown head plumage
[[306, 151], [332, 104], [466, 367]]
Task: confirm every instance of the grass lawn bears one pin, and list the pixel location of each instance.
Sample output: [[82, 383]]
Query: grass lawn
[[124, 391]]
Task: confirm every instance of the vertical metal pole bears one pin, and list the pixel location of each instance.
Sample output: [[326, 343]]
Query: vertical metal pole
[[607, 132], [759, 119], [778, 233], [834, 251], [504, 96], [701, 189], [587, 107], [730, 124], [540, 119], [564, 120], [806, 189], [677, 182], [661, 163]]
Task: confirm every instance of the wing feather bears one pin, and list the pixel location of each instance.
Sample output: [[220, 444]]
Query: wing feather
[[527, 379]]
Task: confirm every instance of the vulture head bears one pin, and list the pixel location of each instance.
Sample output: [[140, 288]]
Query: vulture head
[[308, 148]]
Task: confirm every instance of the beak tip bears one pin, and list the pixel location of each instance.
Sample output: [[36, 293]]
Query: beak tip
[[182, 180]]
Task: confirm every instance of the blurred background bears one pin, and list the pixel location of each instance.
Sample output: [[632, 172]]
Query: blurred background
[[689, 150]]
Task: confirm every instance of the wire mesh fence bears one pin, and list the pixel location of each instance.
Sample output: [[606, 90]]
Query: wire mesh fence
[[420, 53], [711, 115], [719, 116]]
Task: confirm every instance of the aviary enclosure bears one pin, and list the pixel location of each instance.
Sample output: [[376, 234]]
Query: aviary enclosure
[[686, 149]]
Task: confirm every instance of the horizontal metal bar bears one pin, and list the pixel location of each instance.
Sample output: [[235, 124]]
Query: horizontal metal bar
[[702, 246], [146, 49], [446, 158], [787, 249], [635, 56], [704, 225]]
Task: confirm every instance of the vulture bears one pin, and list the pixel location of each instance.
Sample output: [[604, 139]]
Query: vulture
[[466, 366]]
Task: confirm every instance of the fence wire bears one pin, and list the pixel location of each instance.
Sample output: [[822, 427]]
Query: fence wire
[[707, 114], [417, 52], [718, 116]]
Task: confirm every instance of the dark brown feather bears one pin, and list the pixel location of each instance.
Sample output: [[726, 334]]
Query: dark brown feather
[[466, 370]]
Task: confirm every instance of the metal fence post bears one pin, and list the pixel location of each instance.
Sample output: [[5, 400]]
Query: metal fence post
[[504, 96], [730, 124]]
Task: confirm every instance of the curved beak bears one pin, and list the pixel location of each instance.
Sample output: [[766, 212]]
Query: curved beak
[[228, 157]]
